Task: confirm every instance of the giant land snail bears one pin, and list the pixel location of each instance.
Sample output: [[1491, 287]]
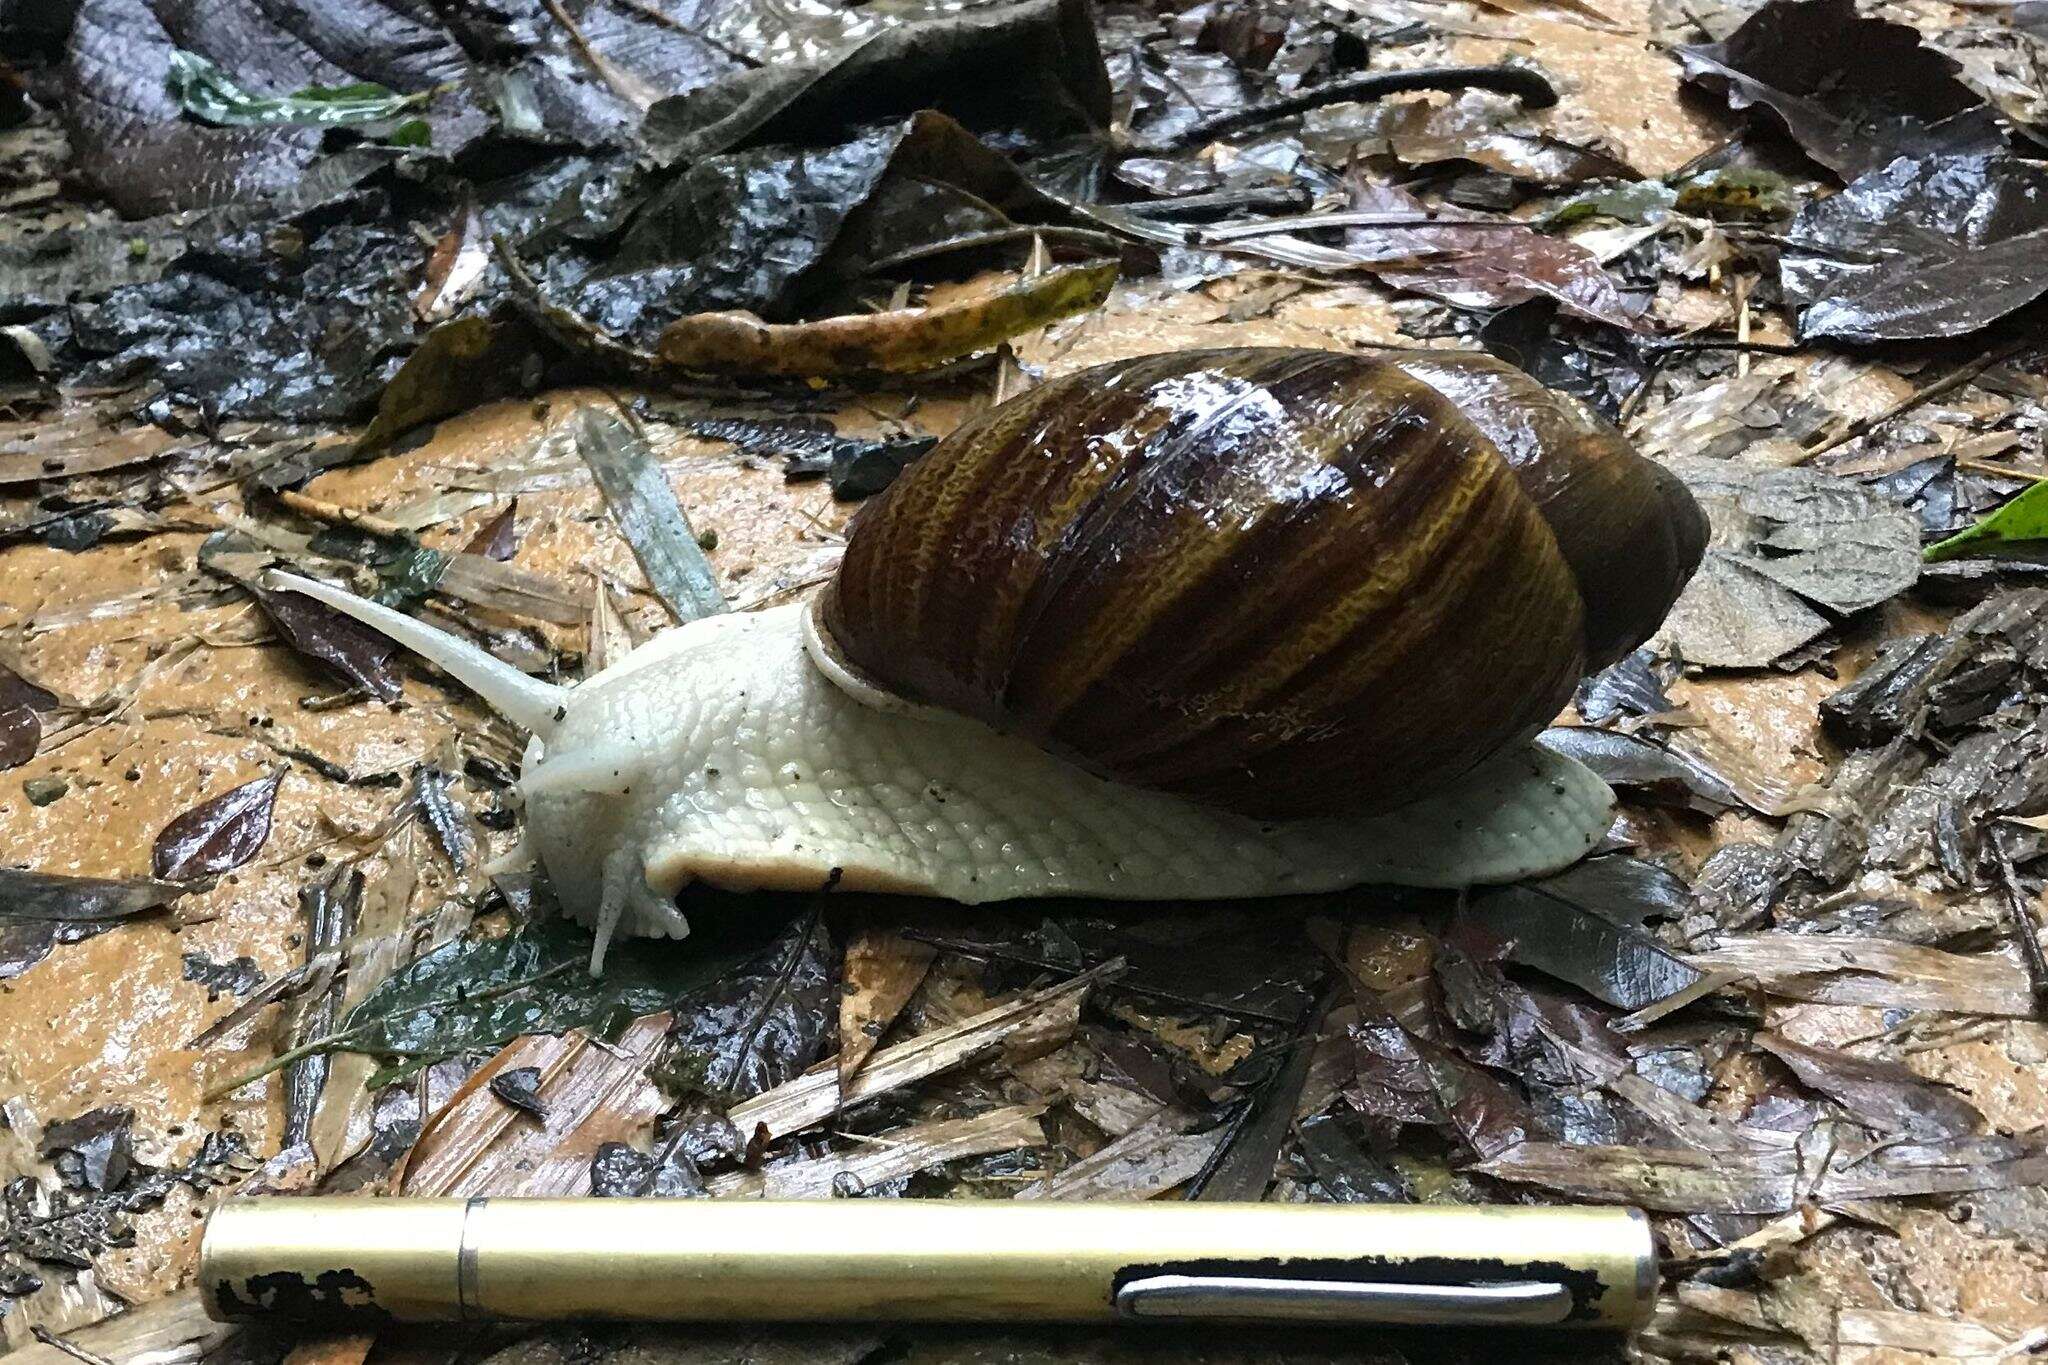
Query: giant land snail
[[1214, 623]]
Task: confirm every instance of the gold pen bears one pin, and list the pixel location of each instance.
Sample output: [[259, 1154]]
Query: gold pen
[[945, 1260]]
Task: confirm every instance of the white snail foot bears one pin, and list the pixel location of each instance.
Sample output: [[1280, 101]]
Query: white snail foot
[[718, 754]]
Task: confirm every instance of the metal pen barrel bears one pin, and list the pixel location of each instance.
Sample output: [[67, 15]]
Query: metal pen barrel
[[923, 1260]]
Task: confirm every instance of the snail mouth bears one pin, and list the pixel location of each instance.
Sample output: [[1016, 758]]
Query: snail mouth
[[830, 659]]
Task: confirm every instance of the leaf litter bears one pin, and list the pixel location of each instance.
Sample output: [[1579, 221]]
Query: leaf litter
[[1742, 1007]]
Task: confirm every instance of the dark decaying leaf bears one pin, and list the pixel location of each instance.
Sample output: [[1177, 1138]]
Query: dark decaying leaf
[[1639, 766], [21, 731], [1992, 657], [1345, 1171], [856, 467], [1493, 267], [1855, 92], [1583, 927], [1887, 1096], [344, 645], [760, 1024], [1493, 131], [450, 826], [79, 900], [1599, 366], [620, 1171], [482, 993], [1633, 687], [643, 505], [237, 976], [1941, 246], [901, 340], [1408, 1082], [217, 835], [20, 734], [499, 538], [1024, 71], [93, 1151], [1786, 543], [520, 1088], [461, 362]]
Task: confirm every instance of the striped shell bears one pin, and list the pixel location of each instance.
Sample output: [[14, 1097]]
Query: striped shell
[[1286, 582]]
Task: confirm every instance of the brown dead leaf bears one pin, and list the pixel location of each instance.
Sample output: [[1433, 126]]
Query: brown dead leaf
[[882, 969], [898, 341]]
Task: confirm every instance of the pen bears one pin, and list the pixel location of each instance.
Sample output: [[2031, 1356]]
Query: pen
[[414, 1260]]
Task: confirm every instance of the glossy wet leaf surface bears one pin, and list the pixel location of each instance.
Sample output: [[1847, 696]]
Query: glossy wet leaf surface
[[219, 834]]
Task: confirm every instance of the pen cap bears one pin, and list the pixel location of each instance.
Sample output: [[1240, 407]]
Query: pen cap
[[927, 1260]]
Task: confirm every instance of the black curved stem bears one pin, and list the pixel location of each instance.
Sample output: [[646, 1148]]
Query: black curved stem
[[1532, 87]]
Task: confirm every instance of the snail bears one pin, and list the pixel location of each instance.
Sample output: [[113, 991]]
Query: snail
[[1216, 623]]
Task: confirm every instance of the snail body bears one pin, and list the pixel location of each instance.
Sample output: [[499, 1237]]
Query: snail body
[[1232, 623]]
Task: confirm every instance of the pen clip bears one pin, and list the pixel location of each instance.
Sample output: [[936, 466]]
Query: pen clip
[[1274, 1299]]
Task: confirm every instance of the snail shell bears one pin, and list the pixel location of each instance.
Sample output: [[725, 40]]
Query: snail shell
[[1282, 582]]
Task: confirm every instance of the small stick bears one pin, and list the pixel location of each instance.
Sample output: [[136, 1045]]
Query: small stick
[[1531, 86], [336, 515], [1955, 379]]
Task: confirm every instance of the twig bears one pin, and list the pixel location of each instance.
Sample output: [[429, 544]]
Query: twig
[[57, 1343], [1955, 379], [1532, 87], [1105, 242], [987, 953], [336, 515], [1265, 227]]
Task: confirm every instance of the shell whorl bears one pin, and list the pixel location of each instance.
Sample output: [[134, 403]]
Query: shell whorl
[[1286, 582]]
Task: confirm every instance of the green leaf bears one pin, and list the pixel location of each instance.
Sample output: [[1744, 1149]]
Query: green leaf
[[1631, 202], [482, 993], [2023, 520], [210, 94]]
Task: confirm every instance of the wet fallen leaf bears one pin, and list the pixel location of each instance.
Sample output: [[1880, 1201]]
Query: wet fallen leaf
[[480, 993], [1495, 268], [1886, 1096], [881, 970], [347, 647], [520, 1088], [904, 340], [1940, 246], [219, 834], [1583, 927], [499, 538], [1493, 131], [1855, 92], [209, 93], [20, 734], [1785, 542], [1638, 765], [760, 1024], [1026, 70], [79, 900]]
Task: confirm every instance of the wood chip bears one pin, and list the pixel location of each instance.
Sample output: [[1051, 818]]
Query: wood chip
[[1146, 1161], [1832, 970], [902, 1152], [815, 1096]]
